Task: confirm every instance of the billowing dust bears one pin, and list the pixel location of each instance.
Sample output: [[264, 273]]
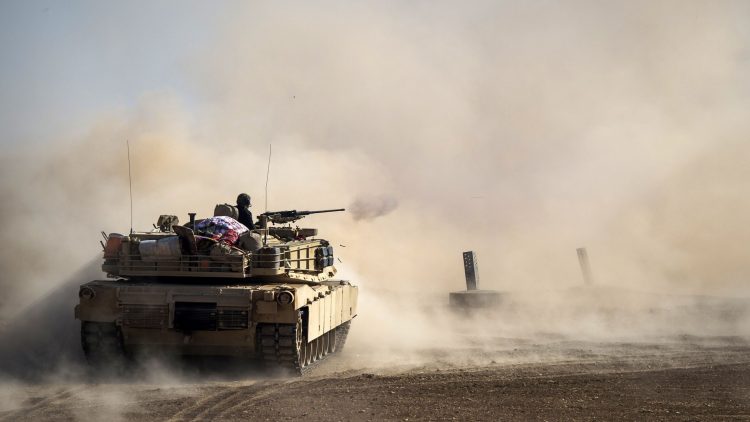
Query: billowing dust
[[518, 130]]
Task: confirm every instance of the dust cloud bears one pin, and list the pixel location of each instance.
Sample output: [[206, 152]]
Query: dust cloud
[[520, 130], [372, 207]]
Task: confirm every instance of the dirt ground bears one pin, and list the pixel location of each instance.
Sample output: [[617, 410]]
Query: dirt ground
[[675, 379]]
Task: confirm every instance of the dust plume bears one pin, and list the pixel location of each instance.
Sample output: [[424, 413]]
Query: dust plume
[[519, 130], [368, 208]]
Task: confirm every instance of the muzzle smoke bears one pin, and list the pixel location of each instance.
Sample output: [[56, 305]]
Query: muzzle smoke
[[372, 207]]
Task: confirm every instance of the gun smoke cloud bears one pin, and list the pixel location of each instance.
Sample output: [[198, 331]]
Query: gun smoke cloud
[[372, 207], [521, 130]]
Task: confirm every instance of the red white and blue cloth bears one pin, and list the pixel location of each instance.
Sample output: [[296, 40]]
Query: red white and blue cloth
[[221, 229]]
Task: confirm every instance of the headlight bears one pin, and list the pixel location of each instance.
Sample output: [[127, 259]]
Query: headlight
[[86, 293], [268, 295], [285, 298]]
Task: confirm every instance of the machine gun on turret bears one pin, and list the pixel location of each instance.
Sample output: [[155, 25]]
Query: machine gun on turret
[[281, 217]]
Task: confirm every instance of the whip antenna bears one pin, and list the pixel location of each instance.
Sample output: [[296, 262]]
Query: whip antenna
[[130, 184], [268, 172]]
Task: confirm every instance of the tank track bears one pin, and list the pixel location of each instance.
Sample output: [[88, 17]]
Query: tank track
[[103, 345], [282, 345], [342, 332], [286, 346]]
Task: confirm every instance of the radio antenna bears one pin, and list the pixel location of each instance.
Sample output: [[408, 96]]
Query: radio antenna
[[268, 172], [130, 184]]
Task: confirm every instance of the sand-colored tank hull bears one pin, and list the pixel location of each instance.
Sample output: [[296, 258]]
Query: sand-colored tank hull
[[287, 323]]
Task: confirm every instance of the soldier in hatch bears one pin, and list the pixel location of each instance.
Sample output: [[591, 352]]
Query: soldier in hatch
[[243, 208]]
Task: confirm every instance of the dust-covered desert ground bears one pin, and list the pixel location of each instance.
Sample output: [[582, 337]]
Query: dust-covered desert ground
[[601, 361], [674, 379]]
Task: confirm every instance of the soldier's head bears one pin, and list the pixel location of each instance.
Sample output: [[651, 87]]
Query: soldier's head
[[243, 200]]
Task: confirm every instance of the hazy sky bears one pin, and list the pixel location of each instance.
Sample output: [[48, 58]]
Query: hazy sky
[[519, 129], [64, 61]]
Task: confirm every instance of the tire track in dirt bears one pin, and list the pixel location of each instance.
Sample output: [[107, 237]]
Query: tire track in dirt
[[216, 404], [205, 413], [235, 404], [268, 391], [191, 413], [43, 404]]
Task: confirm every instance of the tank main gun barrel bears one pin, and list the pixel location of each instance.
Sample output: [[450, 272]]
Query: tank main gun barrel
[[289, 216]]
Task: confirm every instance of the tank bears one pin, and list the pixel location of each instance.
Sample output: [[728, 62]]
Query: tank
[[212, 287]]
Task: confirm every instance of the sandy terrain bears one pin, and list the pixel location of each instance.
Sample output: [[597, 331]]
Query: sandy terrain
[[683, 378]]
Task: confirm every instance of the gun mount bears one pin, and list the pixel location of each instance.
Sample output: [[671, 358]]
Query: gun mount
[[283, 217]]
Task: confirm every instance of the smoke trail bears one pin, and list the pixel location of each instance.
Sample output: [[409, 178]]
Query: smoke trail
[[368, 208]]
